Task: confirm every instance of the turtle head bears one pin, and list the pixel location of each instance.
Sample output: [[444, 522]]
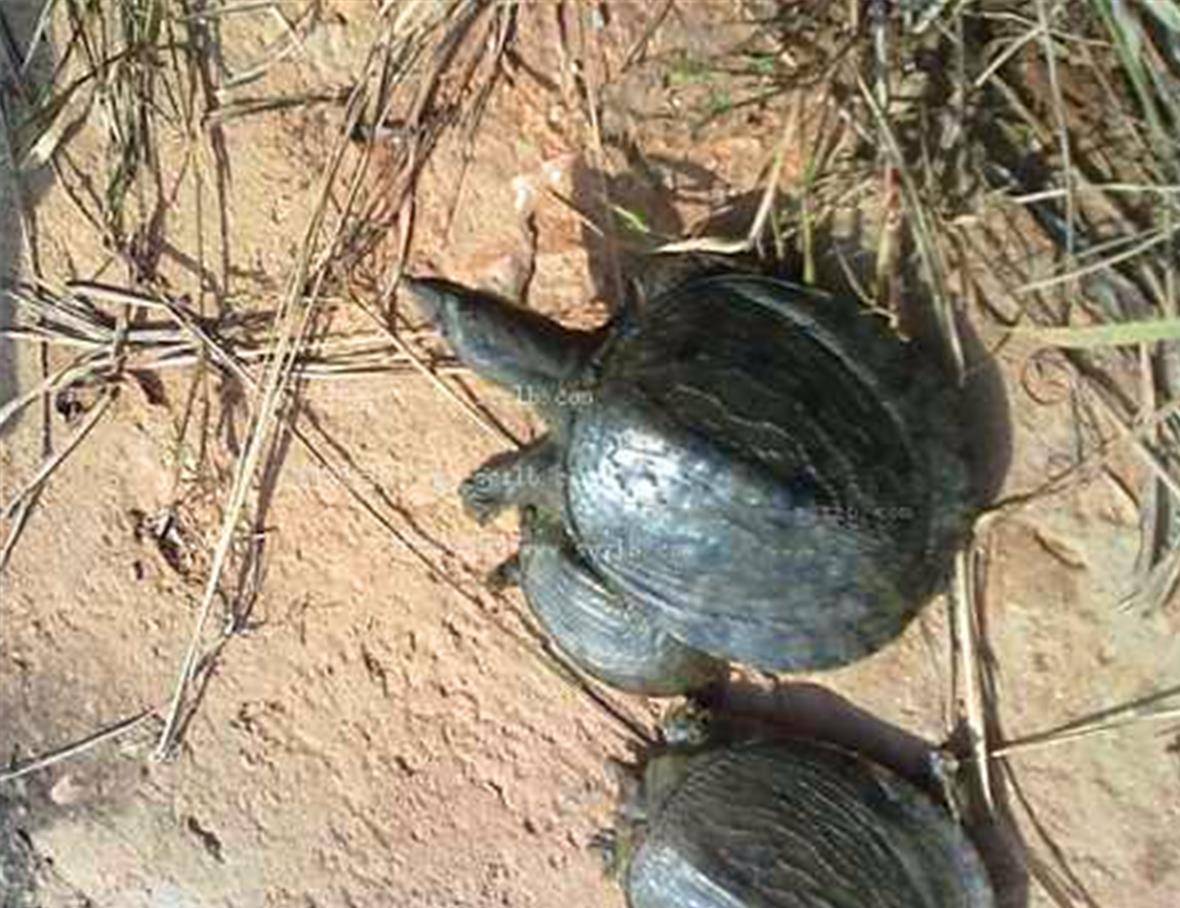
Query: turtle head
[[432, 297], [505, 343]]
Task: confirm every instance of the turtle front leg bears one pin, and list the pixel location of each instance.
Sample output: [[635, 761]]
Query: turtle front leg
[[530, 476]]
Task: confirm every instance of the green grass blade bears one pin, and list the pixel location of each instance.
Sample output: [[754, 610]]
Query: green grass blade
[[1120, 335]]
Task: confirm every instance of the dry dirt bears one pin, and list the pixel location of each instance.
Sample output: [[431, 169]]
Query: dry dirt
[[379, 737]]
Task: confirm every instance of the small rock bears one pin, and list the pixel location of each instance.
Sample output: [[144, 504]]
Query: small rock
[[66, 791]]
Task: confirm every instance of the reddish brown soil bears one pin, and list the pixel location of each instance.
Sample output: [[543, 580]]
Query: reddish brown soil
[[386, 734]]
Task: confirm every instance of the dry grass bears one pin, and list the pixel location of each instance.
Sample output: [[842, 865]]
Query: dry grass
[[111, 334]]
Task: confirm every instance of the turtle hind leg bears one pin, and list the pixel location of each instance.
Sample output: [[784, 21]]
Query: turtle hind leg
[[530, 476], [505, 575], [594, 627]]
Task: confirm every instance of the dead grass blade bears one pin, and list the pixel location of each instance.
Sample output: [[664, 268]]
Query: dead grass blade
[[55, 460], [82, 367], [964, 604], [923, 232], [1144, 710], [1066, 169], [109, 733], [19, 520], [1154, 238]]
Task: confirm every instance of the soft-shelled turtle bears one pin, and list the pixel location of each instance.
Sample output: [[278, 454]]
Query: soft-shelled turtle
[[764, 473]]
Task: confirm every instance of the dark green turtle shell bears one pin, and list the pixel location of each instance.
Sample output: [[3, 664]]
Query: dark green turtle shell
[[597, 630], [772, 476], [798, 825]]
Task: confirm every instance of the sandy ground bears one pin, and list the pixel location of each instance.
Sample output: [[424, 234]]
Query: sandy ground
[[385, 734]]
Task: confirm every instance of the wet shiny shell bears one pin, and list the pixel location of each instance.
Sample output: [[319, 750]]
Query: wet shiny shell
[[596, 630], [772, 477], [799, 825]]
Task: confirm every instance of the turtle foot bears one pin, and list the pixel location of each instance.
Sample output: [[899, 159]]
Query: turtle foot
[[504, 575], [483, 498], [512, 479]]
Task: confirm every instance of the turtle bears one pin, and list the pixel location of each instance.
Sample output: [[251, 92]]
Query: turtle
[[782, 822], [768, 474]]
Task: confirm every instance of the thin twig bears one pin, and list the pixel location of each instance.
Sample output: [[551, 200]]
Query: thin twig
[[78, 747], [924, 234], [55, 460], [964, 605], [1144, 709]]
